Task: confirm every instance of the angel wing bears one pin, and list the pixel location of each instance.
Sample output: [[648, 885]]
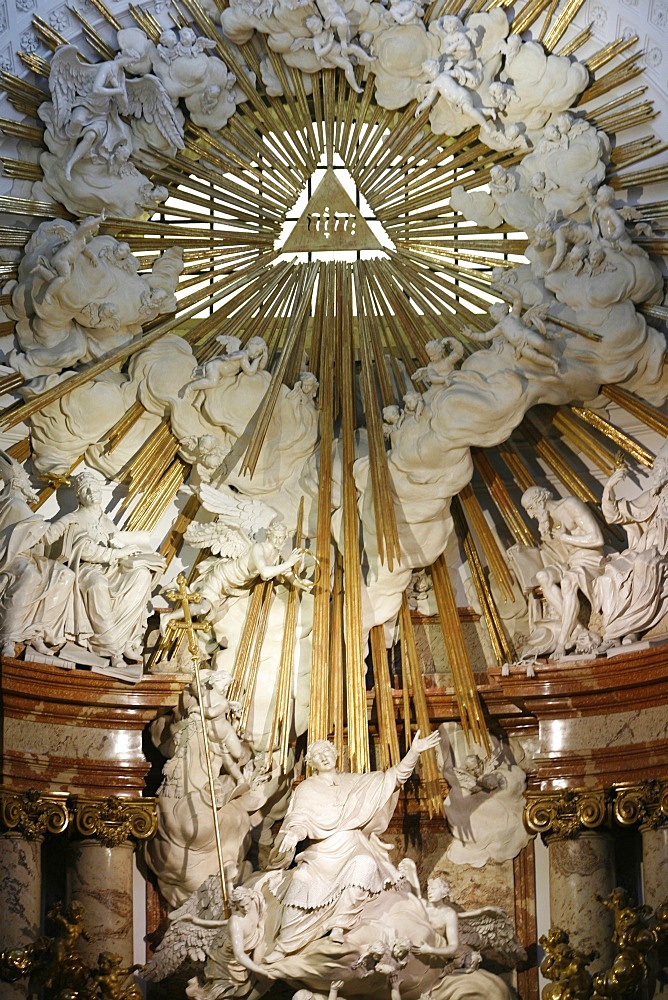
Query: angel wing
[[236, 510], [229, 344], [490, 931], [69, 78], [192, 932], [148, 99], [228, 541]]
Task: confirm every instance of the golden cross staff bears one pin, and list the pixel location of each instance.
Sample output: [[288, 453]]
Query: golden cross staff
[[183, 597]]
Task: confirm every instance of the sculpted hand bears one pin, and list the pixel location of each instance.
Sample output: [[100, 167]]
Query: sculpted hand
[[422, 743], [290, 840]]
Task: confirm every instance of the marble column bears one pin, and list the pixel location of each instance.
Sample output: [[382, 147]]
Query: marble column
[[20, 898], [581, 868], [100, 872], [100, 878], [654, 864]]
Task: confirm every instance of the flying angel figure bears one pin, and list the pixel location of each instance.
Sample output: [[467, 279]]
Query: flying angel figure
[[88, 101], [248, 538]]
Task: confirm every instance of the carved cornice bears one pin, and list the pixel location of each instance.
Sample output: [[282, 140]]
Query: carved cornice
[[33, 814], [645, 803], [565, 813], [114, 820]]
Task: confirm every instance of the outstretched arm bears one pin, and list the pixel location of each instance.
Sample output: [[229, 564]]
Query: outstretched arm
[[420, 744]]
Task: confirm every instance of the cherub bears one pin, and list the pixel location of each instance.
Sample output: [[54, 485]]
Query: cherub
[[571, 127], [442, 83], [406, 11], [502, 94], [510, 326], [540, 185], [58, 270], [109, 976], [191, 45], [457, 46], [305, 388], [611, 222], [393, 417], [413, 405], [552, 139], [220, 713], [565, 236], [501, 181], [334, 19], [441, 365], [331, 53], [249, 360]]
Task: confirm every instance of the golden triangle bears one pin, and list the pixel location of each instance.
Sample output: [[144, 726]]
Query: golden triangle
[[331, 221]]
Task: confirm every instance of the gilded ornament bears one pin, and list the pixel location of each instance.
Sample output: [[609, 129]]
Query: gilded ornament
[[645, 803], [564, 814], [32, 813], [114, 820]]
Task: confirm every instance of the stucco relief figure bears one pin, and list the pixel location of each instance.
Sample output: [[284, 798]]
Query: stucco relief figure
[[610, 222], [572, 555], [345, 864], [525, 333], [246, 540], [183, 853], [485, 801], [633, 588], [88, 137], [79, 295], [443, 358], [35, 591], [114, 574], [442, 84]]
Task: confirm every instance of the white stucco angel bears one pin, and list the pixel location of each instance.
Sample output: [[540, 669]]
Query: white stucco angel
[[456, 44], [485, 802], [79, 295], [89, 129], [442, 83], [526, 334], [246, 541], [443, 358]]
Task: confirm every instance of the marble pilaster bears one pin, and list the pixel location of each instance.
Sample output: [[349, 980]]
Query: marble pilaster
[[20, 898], [654, 864], [100, 878], [581, 868]]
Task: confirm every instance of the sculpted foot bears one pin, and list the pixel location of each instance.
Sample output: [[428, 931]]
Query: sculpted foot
[[336, 935]]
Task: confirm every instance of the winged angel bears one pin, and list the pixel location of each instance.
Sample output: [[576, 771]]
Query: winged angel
[[89, 100], [248, 540]]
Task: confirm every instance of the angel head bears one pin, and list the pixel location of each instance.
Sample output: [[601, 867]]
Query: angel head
[[431, 68], [450, 24], [497, 311], [256, 347], [391, 413], [564, 123], [276, 533], [434, 350], [437, 889], [314, 24], [242, 897]]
